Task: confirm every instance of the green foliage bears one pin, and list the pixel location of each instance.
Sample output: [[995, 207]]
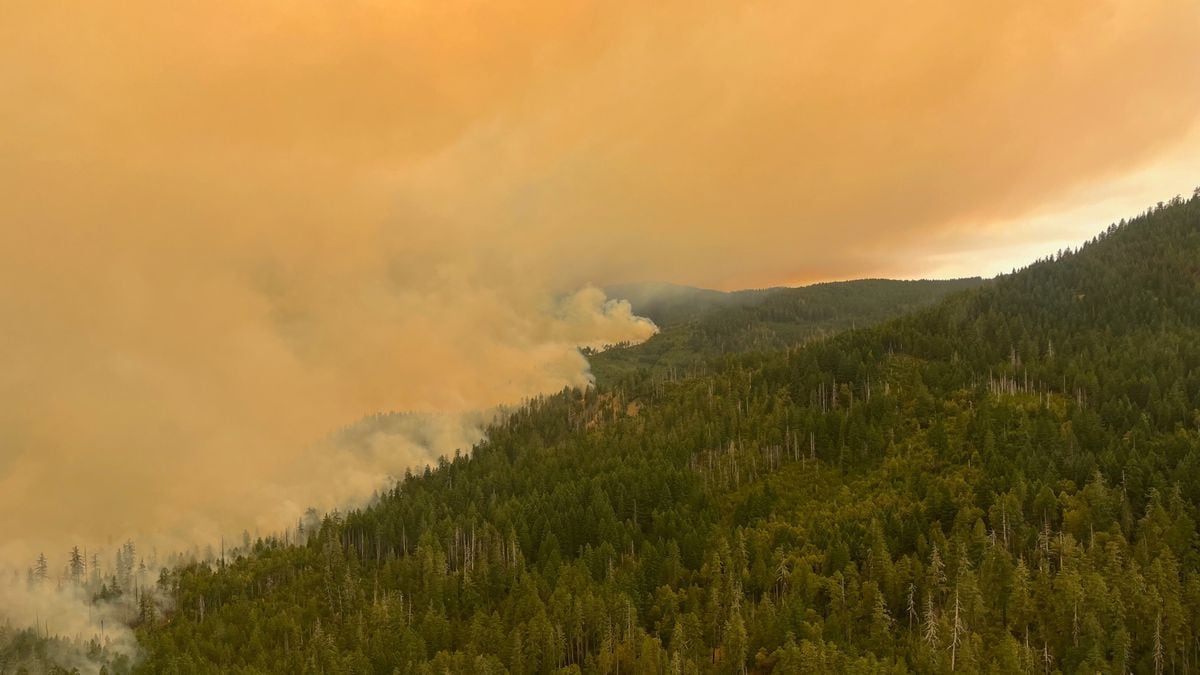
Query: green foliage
[[698, 326], [29, 652]]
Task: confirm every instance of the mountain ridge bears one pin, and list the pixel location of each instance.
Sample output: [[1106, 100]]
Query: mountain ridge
[[694, 332]]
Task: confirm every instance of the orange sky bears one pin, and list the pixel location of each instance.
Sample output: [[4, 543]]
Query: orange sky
[[228, 227]]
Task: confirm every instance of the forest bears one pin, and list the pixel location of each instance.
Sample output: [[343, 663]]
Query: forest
[[1003, 477], [698, 324]]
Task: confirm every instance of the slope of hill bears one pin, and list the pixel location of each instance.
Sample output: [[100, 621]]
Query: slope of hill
[[670, 304], [697, 325], [1005, 482]]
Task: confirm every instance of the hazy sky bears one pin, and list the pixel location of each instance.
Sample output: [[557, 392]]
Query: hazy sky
[[229, 227]]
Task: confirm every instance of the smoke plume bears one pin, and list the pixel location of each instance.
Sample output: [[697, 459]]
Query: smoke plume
[[230, 228]]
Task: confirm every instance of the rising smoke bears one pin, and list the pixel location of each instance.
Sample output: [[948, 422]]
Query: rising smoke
[[230, 228]]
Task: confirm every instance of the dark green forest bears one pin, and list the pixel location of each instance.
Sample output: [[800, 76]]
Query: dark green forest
[[696, 325], [1004, 481]]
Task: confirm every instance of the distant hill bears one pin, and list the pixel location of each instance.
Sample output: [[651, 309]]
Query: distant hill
[[671, 304], [699, 324]]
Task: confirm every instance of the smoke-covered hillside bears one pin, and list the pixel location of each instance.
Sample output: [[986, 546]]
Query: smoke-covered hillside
[[1003, 482], [698, 325]]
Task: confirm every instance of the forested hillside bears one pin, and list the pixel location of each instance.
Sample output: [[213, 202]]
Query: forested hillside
[[671, 304], [1005, 482], [698, 325]]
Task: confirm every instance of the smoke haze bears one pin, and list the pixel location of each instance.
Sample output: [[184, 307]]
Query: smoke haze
[[229, 228]]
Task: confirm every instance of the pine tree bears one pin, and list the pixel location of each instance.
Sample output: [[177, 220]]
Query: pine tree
[[76, 565], [41, 569]]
